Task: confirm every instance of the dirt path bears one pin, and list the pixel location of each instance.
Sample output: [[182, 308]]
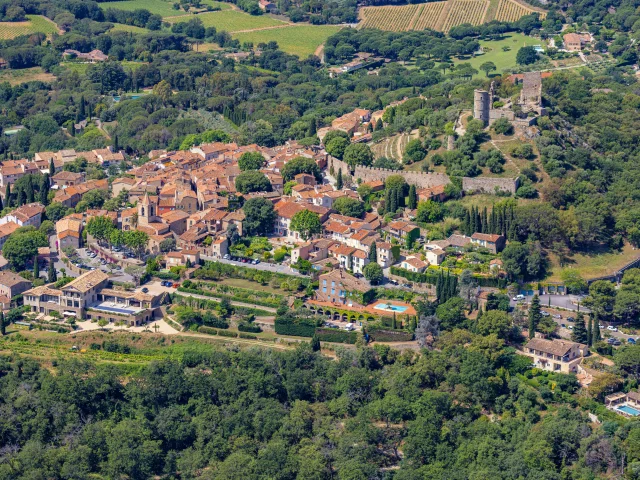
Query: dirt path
[[263, 28], [319, 52]]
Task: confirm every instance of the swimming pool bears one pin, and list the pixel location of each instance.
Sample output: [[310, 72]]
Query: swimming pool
[[628, 410], [387, 307]]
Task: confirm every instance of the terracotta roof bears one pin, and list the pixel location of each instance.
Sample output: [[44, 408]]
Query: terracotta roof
[[347, 281], [174, 216], [288, 209], [10, 279], [28, 211], [488, 237], [68, 227], [416, 262], [8, 228], [87, 281], [43, 290], [554, 347]]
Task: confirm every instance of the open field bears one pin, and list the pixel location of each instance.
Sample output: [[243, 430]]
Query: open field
[[234, 21], [24, 75], [494, 52], [82, 67], [164, 8], [442, 16], [301, 40], [120, 27], [242, 283], [36, 23], [392, 147], [596, 264]]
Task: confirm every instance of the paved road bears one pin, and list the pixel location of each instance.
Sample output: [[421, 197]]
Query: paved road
[[268, 267], [558, 301]]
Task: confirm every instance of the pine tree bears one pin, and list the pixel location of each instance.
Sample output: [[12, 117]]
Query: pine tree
[[413, 197], [339, 183], [7, 196], [579, 333], [52, 167], [315, 343], [373, 253], [590, 332], [534, 315], [52, 276], [3, 326], [36, 267]]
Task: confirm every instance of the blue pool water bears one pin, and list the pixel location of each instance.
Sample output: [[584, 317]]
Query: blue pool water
[[390, 308], [628, 410]]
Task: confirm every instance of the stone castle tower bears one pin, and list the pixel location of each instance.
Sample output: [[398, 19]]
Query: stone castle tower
[[481, 105]]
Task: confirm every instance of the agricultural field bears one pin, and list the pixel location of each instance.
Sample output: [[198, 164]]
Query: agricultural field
[[24, 75], [442, 16], [301, 40], [164, 8], [465, 11], [235, 21], [495, 53], [510, 11], [36, 23]]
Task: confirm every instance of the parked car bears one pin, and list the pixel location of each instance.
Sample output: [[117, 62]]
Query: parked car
[[563, 325], [610, 340], [616, 342], [571, 319], [175, 285], [544, 314], [145, 290], [394, 282], [632, 341], [358, 275], [256, 262], [611, 328], [557, 316], [407, 285], [226, 256], [570, 327], [517, 298], [600, 325]]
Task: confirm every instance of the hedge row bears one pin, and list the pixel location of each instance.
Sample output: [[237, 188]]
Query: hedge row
[[432, 278], [247, 336], [207, 330], [297, 329], [336, 336], [226, 333], [167, 276], [247, 327], [390, 336]]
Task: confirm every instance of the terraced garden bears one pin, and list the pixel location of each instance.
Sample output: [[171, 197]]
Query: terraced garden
[[34, 24], [393, 147]]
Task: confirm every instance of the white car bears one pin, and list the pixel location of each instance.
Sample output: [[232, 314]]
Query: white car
[[612, 328], [517, 298]]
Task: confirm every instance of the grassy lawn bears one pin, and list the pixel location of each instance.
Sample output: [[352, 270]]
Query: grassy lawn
[[35, 23], [301, 40], [232, 20], [120, 27], [24, 75], [595, 264], [242, 283], [495, 54], [164, 8]]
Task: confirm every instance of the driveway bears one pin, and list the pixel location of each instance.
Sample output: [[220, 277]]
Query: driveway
[[157, 326], [116, 275], [267, 267]]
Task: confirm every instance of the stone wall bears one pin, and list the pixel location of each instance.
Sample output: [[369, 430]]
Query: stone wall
[[338, 164], [419, 179], [489, 185]]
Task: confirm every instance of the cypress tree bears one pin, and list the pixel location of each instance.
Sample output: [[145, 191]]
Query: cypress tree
[[43, 194], [22, 198], [52, 276], [478, 221], [414, 323], [52, 167], [485, 221], [315, 343], [590, 332], [399, 197], [465, 222], [339, 183], [7, 195], [413, 197], [379, 124], [373, 253], [82, 108], [579, 333], [534, 315], [1, 206], [393, 322], [3, 326], [596, 331], [36, 267], [116, 147]]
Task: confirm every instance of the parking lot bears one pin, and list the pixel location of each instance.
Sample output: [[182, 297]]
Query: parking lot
[[92, 260]]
